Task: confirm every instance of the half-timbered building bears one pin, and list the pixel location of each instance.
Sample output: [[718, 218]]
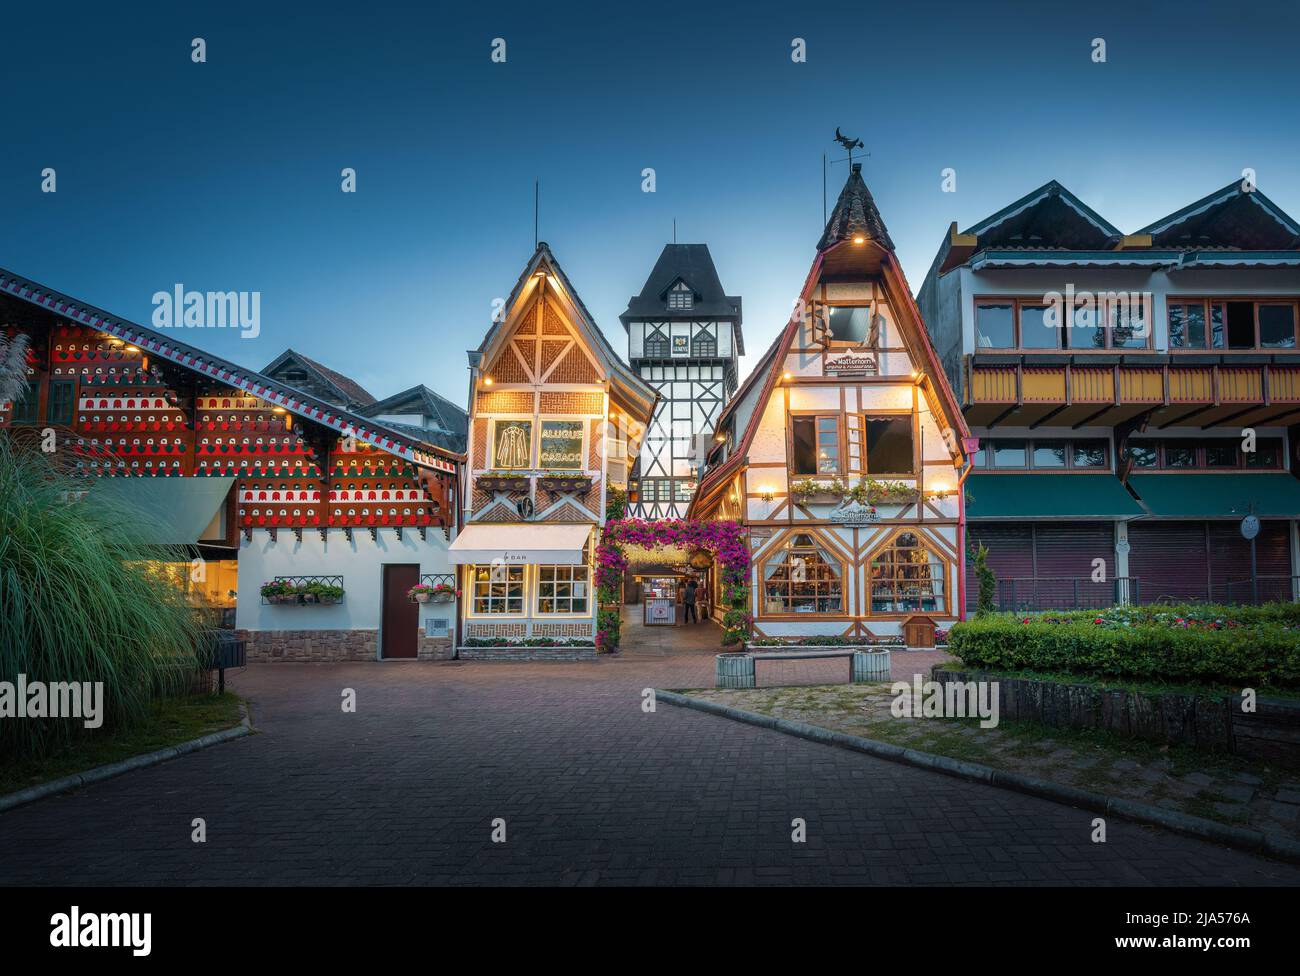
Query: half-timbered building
[[684, 339], [842, 451], [556, 419]]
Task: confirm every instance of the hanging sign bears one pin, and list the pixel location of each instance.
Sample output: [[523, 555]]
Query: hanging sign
[[562, 445], [1250, 527]]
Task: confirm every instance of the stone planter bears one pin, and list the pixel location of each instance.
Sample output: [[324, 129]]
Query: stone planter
[[422, 597], [442, 597]]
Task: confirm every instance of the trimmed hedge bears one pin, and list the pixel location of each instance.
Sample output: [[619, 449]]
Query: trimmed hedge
[[1195, 644]]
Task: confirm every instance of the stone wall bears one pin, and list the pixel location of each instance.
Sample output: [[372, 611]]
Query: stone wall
[[330, 646], [1212, 723]]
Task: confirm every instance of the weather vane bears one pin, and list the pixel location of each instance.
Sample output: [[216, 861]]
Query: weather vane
[[849, 144]]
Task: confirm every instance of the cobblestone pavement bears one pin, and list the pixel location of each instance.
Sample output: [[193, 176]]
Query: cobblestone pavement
[[591, 789]]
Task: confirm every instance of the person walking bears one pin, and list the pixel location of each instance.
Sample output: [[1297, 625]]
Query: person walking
[[691, 587]]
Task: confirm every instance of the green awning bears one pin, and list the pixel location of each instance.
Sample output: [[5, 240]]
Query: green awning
[[166, 511], [1218, 495], [1017, 496]]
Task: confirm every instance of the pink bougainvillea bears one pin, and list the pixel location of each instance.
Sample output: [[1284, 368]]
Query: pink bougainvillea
[[726, 540]]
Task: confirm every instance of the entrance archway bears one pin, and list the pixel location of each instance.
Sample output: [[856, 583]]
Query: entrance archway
[[725, 541]]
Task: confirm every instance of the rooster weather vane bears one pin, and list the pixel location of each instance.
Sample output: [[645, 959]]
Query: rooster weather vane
[[849, 144]]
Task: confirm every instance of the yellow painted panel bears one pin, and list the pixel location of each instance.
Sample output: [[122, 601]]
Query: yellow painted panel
[[1191, 386], [993, 385], [1284, 384], [1045, 385], [1092, 386], [1244, 385], [1141, 386]]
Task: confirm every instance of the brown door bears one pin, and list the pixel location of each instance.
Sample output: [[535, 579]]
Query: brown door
[[400, 635]]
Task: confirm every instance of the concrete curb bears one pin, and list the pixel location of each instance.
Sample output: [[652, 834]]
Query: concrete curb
[[1242, 838], [99, 773]]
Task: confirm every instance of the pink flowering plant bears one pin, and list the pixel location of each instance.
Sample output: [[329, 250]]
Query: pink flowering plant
[[725, 540]]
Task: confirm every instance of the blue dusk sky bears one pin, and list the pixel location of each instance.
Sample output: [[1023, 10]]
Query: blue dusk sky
[[226, 175]]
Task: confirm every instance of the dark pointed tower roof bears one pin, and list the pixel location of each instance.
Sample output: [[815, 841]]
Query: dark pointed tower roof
[[855, 215]]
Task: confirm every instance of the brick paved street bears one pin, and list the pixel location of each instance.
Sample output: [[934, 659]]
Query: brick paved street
[[592, 789]]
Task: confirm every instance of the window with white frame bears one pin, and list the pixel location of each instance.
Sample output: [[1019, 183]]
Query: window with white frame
[[498, 589], [563, 589], [680, 296]]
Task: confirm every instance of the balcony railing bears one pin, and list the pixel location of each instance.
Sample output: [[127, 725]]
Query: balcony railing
[[1017, 378], [1081, 593], [1065, 592], [1263, 589]]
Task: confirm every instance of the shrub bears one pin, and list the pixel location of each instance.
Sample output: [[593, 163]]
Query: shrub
[[85, 599], [987, 581], [1199, 645]]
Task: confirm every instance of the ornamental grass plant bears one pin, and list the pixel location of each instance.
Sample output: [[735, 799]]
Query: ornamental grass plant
[[84, 600]]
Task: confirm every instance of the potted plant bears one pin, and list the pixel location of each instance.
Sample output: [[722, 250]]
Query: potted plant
[[330, 594], [445, 593], [420, 593], [278, 591]]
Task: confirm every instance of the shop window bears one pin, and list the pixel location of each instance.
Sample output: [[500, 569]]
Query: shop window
[[1179, 456], [1009, 454], [816, 442], [1267, 453], [907, 576], [498, 589], [889, 445], [1221, 454], [562, 589], [1143, 455], [1049, 454], [803, 578], [1089, 454]]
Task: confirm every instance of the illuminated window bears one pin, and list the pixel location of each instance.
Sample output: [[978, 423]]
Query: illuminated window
[[803, 578], [907, 576], [499, 589], [562, 589], [512, 443]]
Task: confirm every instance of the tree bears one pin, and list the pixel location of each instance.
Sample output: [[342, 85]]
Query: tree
[[986, 579]]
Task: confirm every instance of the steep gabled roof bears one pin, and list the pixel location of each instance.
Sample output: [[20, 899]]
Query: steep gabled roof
[[451, 423], [189, 357], [1233, 218], [840, 234], [349, 390], [855, 215], [620, 373], [692, 264], [1050, 216]]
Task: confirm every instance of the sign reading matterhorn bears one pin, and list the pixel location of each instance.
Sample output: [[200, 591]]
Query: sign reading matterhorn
[[850, 365]]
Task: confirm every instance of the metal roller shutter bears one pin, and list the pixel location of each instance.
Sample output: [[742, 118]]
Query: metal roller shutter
[[1230, 562], [1011, 556], [1170, 560], [1065, 552]]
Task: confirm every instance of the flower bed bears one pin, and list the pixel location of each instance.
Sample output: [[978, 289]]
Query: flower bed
[[825, 642], [1199, 644], [527, 642]]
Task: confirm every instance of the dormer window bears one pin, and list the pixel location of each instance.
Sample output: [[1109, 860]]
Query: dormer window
[[680, 297]]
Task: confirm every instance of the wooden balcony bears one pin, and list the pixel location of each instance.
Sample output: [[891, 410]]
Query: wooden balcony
[[1029, 390]]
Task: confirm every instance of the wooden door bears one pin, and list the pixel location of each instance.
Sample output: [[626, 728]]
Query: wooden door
[[400, 633]]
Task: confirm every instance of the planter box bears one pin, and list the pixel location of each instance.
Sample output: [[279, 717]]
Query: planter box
[[564, 483], [492, 482], [820, 498]]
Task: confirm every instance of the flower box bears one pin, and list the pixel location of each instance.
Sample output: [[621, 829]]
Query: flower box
[[564, 482], [500, 482]]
